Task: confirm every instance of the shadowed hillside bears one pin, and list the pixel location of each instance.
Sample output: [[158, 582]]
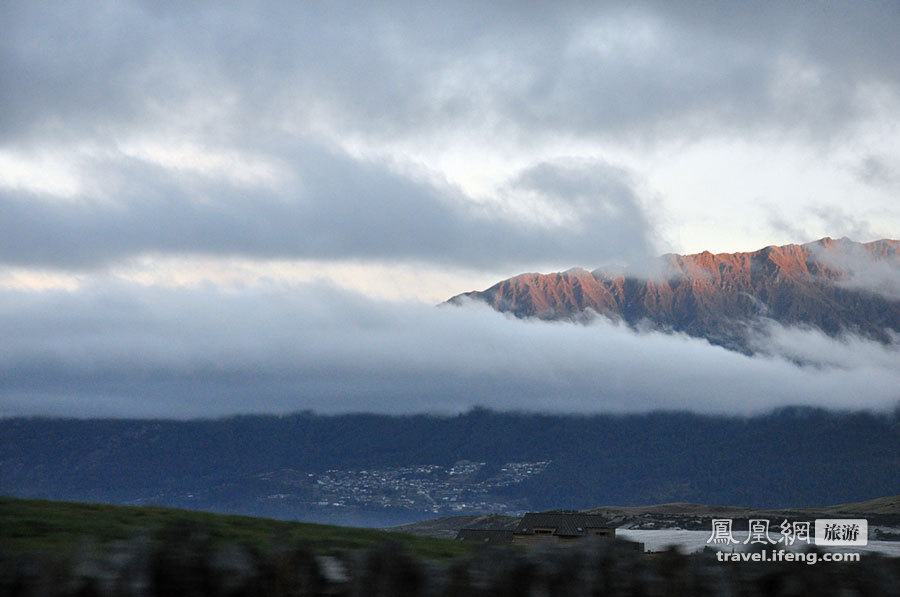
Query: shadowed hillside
[[385, 470]]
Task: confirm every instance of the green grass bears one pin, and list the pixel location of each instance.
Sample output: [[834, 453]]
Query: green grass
[[60, 527]]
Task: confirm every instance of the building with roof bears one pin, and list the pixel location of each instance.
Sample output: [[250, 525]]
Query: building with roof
[[557, 526], [561, 527]]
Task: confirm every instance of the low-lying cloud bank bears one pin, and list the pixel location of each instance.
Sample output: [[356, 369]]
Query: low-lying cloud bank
[[878, 273], [126, 350]]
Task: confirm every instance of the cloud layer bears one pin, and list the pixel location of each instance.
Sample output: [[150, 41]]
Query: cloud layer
[[337, 208], [375, 132], [126, 350], [584, 68], [447, 137]]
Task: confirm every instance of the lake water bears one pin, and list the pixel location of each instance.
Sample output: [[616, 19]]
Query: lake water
[[691, 541]]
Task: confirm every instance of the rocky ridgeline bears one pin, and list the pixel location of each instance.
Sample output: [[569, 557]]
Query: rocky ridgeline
[[184, 561], [836, 286]]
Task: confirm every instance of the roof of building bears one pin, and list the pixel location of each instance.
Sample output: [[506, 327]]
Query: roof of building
[[563, 523], [485, 535]]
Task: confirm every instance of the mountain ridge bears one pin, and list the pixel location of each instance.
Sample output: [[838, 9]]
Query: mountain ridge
[[835, 285]]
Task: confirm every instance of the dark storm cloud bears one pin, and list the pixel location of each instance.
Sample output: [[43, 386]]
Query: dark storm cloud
[[124, 350], [393, 69], [336, 207]]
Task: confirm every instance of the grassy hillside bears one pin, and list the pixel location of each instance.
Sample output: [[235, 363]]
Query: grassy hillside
[[41, 525], [448, 526], [887, 505]]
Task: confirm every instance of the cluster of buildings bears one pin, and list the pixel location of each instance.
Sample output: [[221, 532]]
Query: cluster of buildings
[[464, 487], [557, 527]]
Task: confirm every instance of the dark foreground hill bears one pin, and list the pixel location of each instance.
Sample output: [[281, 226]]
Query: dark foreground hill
[[833, 285], [378, 470], [44, 526], [206, 556]]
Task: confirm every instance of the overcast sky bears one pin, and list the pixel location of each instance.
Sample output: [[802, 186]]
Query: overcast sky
[[190, 191]]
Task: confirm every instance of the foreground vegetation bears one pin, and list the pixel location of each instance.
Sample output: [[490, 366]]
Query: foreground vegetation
[[60, 527], [59, 548]]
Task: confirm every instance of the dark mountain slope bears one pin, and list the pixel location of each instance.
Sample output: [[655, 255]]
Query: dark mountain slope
[[258, 465]]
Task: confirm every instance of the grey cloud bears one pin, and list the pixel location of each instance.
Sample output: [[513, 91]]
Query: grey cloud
[[877, 172], [519, 69], [576, 182], [784, 226], [261, 77], [878, 274], [121, 350], [814, 348], [833, 220], [842, 223], [333, 207]]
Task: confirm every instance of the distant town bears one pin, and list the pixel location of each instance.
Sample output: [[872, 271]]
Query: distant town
[[465, 487]]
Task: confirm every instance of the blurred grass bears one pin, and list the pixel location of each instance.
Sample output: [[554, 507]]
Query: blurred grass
[[29, 525]]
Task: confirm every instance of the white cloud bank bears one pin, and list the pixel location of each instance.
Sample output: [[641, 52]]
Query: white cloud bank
[[127, 350]]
